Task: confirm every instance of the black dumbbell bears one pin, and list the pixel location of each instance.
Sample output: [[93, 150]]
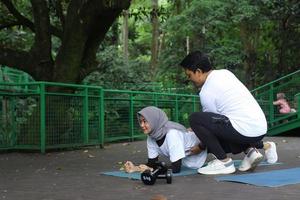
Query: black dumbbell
[[160, 172]]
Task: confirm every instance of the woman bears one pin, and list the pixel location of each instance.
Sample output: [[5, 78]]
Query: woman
[[170, 139]]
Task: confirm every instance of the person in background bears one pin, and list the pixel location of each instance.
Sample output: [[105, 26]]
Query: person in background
[[282, 103]]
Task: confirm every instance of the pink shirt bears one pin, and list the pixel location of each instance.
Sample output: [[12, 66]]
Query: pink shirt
[[283, 106]]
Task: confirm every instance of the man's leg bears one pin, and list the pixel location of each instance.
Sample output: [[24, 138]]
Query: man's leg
[[217, 133]]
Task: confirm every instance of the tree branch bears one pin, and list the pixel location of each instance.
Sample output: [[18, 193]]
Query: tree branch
[[10, 24], [15, 58], [59, 12], [21, 19], [107, 15]]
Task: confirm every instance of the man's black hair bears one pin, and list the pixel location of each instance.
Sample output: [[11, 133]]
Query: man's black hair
[[196, 60]]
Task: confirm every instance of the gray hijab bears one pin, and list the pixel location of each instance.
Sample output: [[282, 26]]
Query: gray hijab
[[159, 122]]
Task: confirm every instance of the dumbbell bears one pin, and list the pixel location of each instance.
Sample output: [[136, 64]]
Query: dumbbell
[[161, 172]]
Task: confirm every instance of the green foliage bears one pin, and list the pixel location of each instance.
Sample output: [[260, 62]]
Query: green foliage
[[16, 37], [270, 28], [215, 27], [113, 67]]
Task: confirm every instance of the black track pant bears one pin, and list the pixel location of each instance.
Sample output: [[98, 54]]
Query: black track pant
[[217, 134]]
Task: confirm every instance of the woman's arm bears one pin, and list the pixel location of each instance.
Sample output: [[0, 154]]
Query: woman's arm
[[152, 162], [176, 166]]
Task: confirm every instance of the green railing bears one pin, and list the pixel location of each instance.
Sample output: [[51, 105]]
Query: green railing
[[266, 94], [11, 75], [36, 118]]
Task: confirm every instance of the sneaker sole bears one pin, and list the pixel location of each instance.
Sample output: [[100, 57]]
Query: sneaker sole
[[254, 164], [224, 171], [273, 145]]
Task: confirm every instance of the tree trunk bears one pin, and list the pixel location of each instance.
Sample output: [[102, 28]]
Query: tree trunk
[[155, 36], [249, 38], [187, 45], [84, 28], [125, 35]]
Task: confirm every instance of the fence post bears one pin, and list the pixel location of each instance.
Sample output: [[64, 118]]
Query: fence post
[[131, 113], [176, 109], [194, 104], [101, 118], [42, 118], [155, 100], [271, 106], [298, 105], [85, 117]]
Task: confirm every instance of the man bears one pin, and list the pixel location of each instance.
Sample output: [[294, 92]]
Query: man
[[231, 120]]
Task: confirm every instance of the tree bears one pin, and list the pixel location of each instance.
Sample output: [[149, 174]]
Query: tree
[[78, 26], [155, 35]]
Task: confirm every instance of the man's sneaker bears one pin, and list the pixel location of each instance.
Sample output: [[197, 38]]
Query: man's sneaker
[[218, 167], [271, 153], [251, 160]]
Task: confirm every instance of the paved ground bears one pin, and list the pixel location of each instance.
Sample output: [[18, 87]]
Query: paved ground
[[75, 175]]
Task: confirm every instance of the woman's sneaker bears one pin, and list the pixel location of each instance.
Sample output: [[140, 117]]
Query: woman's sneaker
[[271, 153], [218, 167], [251, 160]]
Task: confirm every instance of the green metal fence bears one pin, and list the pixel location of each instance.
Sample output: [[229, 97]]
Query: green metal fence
[[11, 75], [266, 94], [36, 118]]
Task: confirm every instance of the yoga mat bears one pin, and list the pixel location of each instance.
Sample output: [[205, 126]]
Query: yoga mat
[[274, 178], [184, 171], [137, 176]]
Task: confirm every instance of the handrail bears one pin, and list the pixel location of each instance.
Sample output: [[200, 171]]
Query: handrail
[[277, 80]]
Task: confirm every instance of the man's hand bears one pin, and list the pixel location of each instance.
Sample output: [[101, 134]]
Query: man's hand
[[195, 150], [189, 129]]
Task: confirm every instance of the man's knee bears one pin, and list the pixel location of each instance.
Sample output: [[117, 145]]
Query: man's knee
[[195, 118]]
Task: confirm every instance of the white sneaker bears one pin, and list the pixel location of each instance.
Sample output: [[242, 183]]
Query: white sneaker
[[271, 153], [218, 167], [251, 160]]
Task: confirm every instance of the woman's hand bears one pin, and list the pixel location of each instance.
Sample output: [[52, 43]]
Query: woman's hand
[[143, 167], [129, 167]]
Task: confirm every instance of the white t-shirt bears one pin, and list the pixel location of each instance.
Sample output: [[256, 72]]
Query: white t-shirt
[[177, 146], [224, 94]]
